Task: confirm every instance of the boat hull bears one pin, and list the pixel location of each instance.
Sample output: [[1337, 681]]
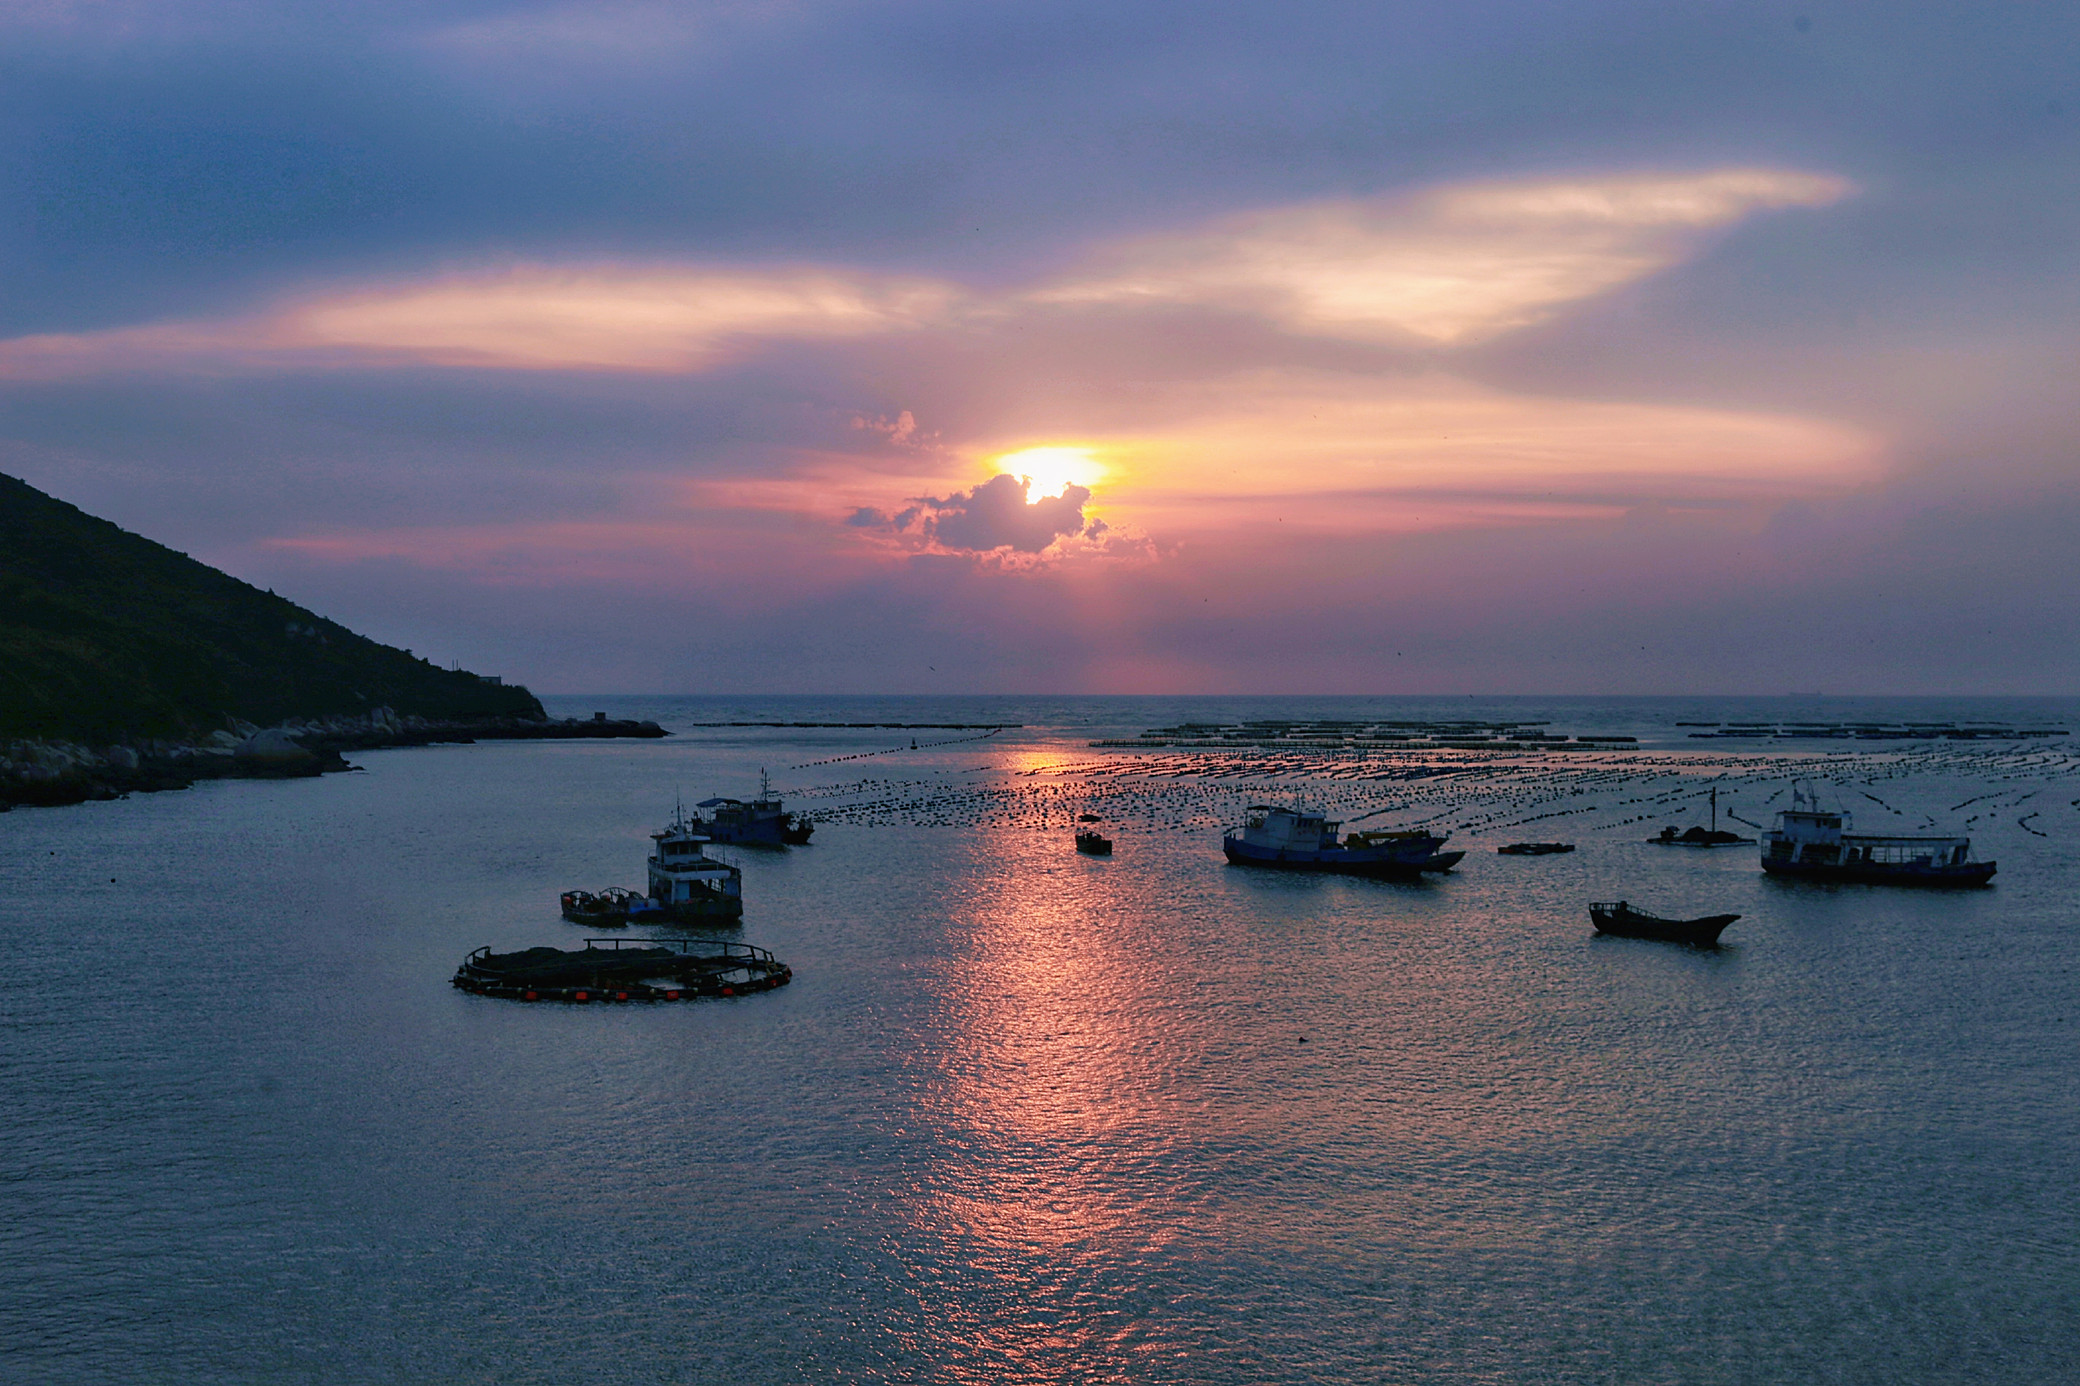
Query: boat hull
[[1963, 874], [683, 911], [1625, 923]]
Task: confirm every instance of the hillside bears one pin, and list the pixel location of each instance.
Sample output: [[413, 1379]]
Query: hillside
[[106, 636]]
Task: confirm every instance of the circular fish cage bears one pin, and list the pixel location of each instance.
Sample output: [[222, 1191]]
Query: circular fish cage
[[614, 970]]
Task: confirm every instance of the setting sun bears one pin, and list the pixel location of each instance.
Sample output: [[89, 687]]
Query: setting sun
[[1050, 470]]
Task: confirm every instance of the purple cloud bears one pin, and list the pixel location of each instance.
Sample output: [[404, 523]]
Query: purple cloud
[[995, 515]]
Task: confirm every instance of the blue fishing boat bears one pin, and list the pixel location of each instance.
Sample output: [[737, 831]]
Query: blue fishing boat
[[763, 822], [1295, 840]]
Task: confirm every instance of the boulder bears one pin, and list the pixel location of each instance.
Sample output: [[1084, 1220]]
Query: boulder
[[273, 746]]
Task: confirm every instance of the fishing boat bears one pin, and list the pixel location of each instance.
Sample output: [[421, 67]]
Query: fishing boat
[[763, 822], [687, 883], [1291, 839], [1617, 917], [1820, 844], [1534, 849], [1092, 844]]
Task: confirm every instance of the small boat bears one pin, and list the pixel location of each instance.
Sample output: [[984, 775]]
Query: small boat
[[1088, 818], [1821, 845], [1534, 849], [1617, 917], [1089, 842], [610, 909], [1695, 836], [1294, 840]]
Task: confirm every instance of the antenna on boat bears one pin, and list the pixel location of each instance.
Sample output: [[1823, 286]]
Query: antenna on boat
[[1715, 809]]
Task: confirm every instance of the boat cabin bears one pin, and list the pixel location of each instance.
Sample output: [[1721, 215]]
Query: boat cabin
[[1807, 835], [681, 871], [1284, 829]]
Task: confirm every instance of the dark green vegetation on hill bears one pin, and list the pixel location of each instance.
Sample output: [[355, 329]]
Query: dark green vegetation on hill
[[105, 635]]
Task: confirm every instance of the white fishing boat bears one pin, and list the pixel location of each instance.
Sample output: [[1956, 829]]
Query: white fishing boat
[[1821, 844], [687, 883]]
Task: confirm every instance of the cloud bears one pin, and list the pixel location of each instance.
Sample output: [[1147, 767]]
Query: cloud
[[1349, 452], [994, 515], [1447, 266], [598, 318]]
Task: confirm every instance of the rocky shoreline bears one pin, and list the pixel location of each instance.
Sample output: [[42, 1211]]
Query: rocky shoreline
[[44, 774]]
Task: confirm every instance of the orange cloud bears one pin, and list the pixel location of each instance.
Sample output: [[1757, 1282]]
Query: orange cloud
[[529, 318], [1344, 451], [1445, 266]]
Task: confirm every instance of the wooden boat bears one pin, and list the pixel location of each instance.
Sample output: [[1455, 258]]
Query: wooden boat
[[1089, 842], [1534, 849], [1617, 917], [611, 908]]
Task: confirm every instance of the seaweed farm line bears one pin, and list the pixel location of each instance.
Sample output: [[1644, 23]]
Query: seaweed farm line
[[1459, 790]]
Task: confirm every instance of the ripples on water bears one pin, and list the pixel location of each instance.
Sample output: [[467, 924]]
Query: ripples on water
[[1024, 1116]]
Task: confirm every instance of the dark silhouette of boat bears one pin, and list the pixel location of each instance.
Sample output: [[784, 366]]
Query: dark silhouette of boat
[[1295, 840], [1617, 917], [1092, 844], [1694, 836], [1534, 849]]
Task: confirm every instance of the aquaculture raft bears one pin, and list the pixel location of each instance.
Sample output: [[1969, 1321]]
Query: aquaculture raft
[[614, 969]]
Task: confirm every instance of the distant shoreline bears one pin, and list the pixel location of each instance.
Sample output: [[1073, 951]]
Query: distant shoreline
[[54, 774]]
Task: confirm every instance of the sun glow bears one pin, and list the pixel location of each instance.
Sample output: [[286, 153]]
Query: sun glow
[[1050, 471]]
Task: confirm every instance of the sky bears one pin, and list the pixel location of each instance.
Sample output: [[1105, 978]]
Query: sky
[[1075, 348]]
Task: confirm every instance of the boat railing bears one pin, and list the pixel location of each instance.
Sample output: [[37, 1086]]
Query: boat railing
[[710, 947]]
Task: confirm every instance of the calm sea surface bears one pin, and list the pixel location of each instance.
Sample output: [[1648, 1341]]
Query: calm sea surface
[[1026, 1116]]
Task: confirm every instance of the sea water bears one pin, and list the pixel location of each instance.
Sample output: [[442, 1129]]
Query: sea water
[[1029, 1116]]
